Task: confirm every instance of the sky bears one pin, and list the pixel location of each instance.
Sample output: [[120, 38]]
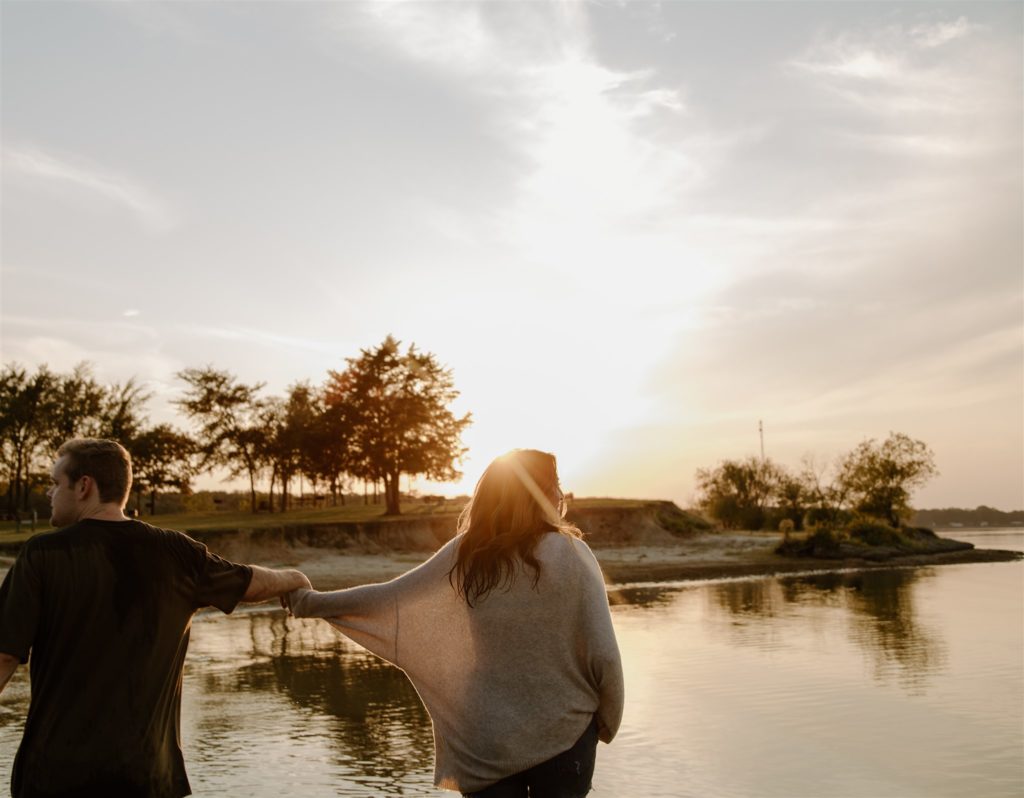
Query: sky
[[632, 230]]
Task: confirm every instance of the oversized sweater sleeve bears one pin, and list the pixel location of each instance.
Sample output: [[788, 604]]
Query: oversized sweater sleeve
[[368, 614], [604, 660]]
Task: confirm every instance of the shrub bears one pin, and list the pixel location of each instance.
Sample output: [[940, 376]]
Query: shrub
[[786, 527], [922, 532], [823, 542], [875, 533]]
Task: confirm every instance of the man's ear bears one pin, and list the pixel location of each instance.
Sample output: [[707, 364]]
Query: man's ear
[[83, 487]]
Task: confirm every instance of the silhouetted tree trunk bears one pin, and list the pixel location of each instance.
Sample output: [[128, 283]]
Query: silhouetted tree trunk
[[391, 494]]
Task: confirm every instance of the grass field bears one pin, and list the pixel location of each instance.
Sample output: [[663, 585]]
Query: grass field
[[196, 522]]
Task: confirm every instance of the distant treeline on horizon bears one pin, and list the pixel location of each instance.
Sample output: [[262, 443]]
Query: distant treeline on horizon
[[959, 516]]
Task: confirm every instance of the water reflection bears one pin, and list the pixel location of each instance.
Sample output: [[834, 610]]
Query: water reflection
[[878, 609], [374, 717], [647, 596], [768, 687], [885, 621]]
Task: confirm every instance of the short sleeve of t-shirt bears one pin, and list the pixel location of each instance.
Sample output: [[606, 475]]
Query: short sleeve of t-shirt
[[20, 597], [220, 583]]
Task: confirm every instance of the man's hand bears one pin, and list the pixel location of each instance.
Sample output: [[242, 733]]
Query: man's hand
[[8, 665], [268, 583]]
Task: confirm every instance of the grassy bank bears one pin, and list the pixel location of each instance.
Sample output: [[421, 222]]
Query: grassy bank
[[350, 513]]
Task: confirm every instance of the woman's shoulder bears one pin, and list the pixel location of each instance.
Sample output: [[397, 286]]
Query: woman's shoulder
[[563, 545]]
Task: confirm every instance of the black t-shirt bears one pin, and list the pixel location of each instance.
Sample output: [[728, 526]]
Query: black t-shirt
[[105, 607]]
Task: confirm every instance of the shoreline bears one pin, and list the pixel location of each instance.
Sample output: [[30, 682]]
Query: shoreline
[[641, 542], [708, 556], [621, 571]]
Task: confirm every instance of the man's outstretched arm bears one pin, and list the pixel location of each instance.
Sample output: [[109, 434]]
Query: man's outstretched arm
[[268, 583], [8, 665]]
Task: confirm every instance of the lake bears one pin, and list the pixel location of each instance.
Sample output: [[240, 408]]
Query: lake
[[898, 682]]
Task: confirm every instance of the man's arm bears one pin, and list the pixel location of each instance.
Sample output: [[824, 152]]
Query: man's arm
[[268, 583], [8, 665]]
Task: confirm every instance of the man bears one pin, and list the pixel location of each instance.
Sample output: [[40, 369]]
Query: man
[[104, 604]]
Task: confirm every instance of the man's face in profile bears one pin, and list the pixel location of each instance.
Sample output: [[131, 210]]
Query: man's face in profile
[[62, 496]]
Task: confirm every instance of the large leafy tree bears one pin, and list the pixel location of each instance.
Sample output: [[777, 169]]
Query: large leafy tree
[[229, 417], [121, 415], [38, 412], [738, 493], [24, 419], [73, 406], [879, 477], [396, 410], [162, 459]]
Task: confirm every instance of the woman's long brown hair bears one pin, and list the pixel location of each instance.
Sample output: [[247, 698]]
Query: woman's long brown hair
[[510, 510]]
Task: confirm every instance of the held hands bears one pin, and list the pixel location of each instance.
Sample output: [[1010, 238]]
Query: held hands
[[301, 583]]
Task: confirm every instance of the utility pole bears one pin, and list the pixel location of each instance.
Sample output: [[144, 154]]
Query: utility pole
[[760, 431]]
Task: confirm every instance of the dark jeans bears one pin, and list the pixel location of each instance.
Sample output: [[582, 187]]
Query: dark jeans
[[567, 775]]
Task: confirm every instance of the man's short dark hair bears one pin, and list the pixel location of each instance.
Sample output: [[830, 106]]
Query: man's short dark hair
[[106, 461]]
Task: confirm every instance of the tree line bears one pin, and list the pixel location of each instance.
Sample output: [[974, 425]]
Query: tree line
[[875, 479], [385, 415]]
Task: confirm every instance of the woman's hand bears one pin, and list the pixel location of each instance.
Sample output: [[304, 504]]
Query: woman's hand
[[289, 599]]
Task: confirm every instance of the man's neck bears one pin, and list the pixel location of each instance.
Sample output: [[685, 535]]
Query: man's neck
[[104, 512]]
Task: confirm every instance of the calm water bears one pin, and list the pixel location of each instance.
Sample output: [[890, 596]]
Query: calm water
[[887, 683]]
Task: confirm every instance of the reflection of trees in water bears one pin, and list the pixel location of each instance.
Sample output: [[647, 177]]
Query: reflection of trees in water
[[879, 606], [376, 718], [646, 597], [752, 607], [886, 623], [750, 597]]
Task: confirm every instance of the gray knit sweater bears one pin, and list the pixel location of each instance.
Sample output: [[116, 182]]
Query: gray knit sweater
[[510, 682]]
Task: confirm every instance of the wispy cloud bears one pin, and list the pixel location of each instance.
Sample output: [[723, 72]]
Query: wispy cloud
[[848, 60], [34, 163], [264, 337], [895, 70], [936, 34]]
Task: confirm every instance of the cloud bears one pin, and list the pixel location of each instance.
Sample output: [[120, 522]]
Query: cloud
[[36, 164], [850, 61], [936, 34], [119, 348], [249, 335], [451, 35], [895, 71], [598, 144]]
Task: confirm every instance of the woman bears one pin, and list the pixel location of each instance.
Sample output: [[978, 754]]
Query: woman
[[505, 633]]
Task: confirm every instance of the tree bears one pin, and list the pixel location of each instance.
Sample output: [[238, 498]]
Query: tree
[[790, 499], [73, 406], [229, 417], [879, 477], [120, 416], [328, 450], [291, 436], [824, 494], [737, 493], [162, 458], [23, 426], [395, 406], [39, 412]]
